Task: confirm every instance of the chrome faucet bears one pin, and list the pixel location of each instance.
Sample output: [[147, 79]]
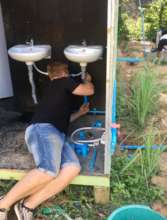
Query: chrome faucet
[[31, 42], [84, 43]]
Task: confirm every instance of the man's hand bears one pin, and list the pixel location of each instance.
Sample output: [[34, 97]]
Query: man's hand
[[84, 109], [88, 77], [86, 88]]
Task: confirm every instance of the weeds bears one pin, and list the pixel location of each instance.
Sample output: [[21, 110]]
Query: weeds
[[144, 95], [78, 202], [5, 186], [131, 175]]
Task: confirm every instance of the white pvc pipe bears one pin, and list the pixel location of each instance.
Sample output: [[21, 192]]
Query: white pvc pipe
[[6, 89], [31, 80], [40, 71]]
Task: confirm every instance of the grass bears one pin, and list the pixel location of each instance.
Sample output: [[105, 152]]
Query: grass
[[144, 97], [5, 186], [78, 202], [131, 176], [132, 173]]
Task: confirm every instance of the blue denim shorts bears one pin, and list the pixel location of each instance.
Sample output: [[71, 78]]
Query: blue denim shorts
[[50, 150]]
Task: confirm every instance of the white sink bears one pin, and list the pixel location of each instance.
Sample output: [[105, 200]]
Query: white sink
[[29, 54], [83, 54]]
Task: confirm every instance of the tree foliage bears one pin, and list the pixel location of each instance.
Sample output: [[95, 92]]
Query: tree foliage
[[130, 22], [122, 30], [155, 18]]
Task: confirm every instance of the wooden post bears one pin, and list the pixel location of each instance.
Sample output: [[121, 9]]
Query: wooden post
[[101, 194], [112, 27]]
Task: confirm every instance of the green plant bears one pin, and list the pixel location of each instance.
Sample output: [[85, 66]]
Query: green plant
[[77, 202], [131, 174], [123, 32], [6, 185], [122, 25], [130, 22], [155, 17], [144, 95], [134, 28]]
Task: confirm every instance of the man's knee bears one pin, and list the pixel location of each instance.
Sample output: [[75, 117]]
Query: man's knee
[[78, 170], [45, 175], [71, 170]]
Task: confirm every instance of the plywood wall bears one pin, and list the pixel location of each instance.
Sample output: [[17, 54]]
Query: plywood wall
[[58, 23]]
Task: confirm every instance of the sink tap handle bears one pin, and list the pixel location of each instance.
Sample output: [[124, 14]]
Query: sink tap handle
[[84, 43], [31, 42]]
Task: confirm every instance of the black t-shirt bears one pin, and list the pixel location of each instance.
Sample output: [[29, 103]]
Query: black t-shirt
[[56, 105]]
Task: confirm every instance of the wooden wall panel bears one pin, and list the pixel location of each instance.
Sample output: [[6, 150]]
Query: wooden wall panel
[[58, 23]]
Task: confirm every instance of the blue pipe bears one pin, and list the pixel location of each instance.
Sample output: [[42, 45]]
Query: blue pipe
[[130, 59], [135, 147], [94, 111], [114, 130], [93, 161], [114, 103], [85, 99]]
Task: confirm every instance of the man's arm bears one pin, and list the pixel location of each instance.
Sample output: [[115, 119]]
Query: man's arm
[[82, 111], [86, 88]]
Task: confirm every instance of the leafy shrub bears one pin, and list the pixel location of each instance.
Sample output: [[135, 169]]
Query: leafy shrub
[[155, 18], [123, 32]]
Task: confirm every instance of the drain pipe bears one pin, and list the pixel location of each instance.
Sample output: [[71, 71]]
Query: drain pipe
[[31, 80], [40, 71]]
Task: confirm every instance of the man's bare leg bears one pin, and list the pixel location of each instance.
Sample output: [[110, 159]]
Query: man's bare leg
[[24, 187], [66, 175]]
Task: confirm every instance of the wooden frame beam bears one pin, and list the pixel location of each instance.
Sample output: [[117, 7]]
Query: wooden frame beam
[[112, 30], [101, 181]]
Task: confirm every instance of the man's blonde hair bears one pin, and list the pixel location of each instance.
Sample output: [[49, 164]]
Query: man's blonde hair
[[55, 68]]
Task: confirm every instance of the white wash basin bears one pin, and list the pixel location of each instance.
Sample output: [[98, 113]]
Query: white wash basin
[[83, 54], [29, 54]]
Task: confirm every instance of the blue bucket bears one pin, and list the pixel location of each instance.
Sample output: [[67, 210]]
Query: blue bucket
[[135, 212]]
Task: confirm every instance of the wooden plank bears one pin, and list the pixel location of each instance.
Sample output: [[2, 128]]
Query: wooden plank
[[92, 181], [7, 174]]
